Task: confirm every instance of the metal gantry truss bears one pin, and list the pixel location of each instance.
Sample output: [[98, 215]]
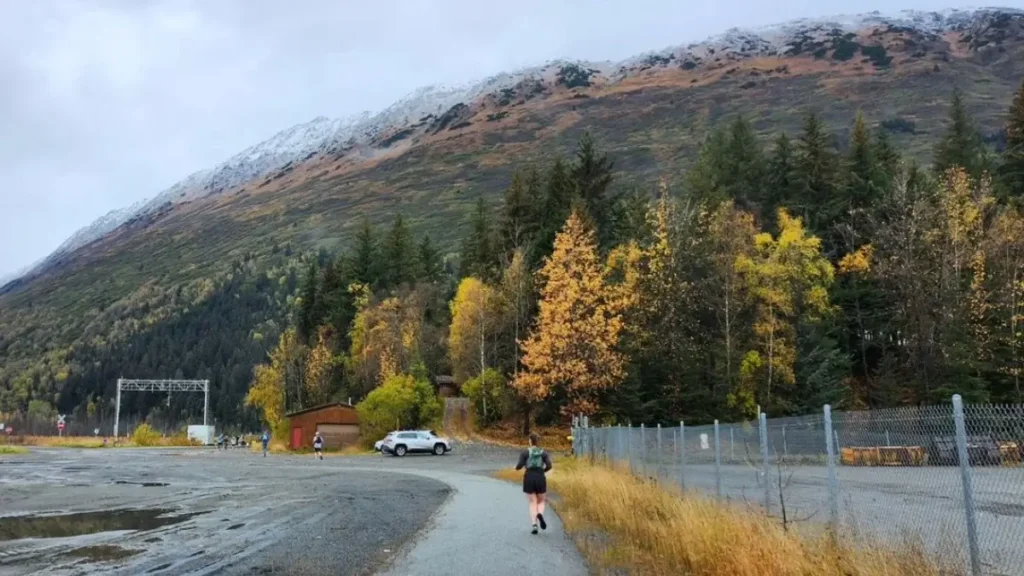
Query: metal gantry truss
[[161, 386]]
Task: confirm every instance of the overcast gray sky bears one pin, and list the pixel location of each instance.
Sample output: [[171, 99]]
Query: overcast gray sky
[[103, 103]]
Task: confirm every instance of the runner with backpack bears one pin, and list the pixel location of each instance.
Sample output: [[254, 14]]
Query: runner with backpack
[[318, 445], [535, 485]]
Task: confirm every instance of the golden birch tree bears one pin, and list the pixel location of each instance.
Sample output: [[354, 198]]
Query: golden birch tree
[[473, 313], [788, 279], [267, 393], [319, 369]]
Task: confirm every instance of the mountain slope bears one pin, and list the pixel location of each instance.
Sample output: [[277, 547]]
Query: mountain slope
[[430, 155], [359, 135]]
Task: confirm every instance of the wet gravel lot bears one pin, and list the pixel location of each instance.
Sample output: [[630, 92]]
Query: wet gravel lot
[[204, 511]]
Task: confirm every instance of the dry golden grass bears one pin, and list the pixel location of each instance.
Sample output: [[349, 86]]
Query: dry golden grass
[[94, 442], [61, 441], [625, 525], [275, 447], [511, 434]]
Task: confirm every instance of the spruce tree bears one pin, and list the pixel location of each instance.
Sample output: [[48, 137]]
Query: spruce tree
[[815, 175], [631, 222], [307, 320], [554, 206], [399, 258], [335, 303], [889, 159], [430, 267], [1011, 170], [478, 249], [364, 263], [864, 176], [744, 166], [592, 174], [962, 145], [518, 224], [705, 180], [781, 185]]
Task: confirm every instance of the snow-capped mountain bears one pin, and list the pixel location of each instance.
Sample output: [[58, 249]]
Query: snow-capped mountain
[[327, 136]]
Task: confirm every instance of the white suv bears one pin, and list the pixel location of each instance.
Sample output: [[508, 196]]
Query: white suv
[[401, 443]]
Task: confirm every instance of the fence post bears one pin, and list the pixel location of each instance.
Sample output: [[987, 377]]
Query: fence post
[[643, 450], [657, 457], [590, 439], [732, 443], [764, 463], [675, 450], [718, 464], [833, 483], [629, 448], [887, 441], [965, 476], [577, 439], [785, 446], [682, 455]]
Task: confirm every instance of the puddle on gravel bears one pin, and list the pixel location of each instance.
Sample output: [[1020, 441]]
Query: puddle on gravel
[[143, 484], [64, 525], [102, 553]]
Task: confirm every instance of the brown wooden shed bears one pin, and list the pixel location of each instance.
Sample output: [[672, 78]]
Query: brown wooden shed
[[338, 423], [446, 386]]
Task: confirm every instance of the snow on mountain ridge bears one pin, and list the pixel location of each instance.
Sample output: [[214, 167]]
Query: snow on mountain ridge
[[327, 135]]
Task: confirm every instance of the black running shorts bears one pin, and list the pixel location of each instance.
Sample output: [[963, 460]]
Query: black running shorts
[[534, 482]]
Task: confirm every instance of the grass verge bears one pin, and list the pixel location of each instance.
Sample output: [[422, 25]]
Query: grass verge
[[7, 450], [624, 525], [97, 442], [511, 434]]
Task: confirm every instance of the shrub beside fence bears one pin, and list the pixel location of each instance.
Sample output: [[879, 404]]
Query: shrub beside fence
[[949, 476]]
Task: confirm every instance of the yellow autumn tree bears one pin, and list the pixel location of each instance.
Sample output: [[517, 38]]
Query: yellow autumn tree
[[385, 339], [1006, 245], [319, 369], [788, 279], [267, 392], [474, 314], [573, 346]]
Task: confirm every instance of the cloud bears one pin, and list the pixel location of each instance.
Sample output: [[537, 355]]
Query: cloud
[[106, 102]]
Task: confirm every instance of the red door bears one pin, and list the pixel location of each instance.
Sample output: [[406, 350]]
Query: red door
[[296, 438]]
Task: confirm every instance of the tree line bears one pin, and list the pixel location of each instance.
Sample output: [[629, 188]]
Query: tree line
[[776, 277]]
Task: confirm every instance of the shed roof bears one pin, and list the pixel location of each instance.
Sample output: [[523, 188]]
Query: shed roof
[[320, 407], [441, 380]]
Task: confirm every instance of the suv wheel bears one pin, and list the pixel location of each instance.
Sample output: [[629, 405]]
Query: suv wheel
[[438, 449], [400, 450]]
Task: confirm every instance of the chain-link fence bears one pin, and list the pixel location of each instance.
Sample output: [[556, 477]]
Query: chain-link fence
[[76, 425], [947, 477]]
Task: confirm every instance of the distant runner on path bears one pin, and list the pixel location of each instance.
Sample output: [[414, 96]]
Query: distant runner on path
[[318, 445], [265, 439], [535, 484]]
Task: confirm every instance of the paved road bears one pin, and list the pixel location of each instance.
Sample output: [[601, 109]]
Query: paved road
[[233, 512], [485, 530]]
